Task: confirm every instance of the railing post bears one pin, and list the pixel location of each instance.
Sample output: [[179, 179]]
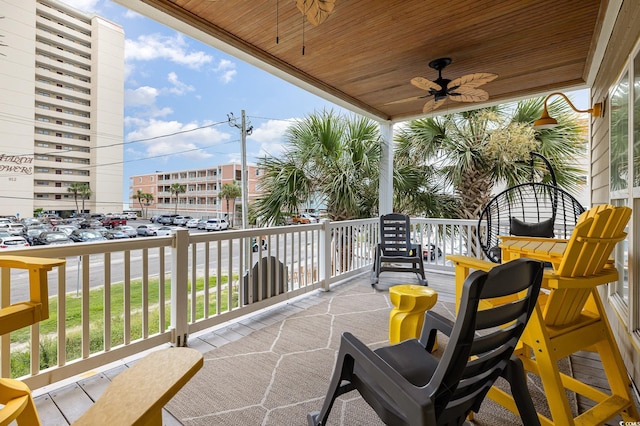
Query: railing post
[[325, 254], [179, 283]]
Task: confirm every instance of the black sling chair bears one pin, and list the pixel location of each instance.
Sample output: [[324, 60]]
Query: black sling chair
[[530, 209]]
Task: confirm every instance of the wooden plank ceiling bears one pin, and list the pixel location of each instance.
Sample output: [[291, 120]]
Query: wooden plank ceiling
[[367, 51]]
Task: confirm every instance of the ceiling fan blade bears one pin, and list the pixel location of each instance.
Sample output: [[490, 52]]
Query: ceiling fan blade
[[472, 80], [469, 95], [401, 101], [316, 11], [424, 84], [432, 105]]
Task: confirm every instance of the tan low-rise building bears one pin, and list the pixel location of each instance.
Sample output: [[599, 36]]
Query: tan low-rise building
[[201, 196]]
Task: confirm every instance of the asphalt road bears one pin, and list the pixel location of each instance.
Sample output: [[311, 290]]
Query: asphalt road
[[19, 279]]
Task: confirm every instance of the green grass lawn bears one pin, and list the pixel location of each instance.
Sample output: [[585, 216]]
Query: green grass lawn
[[73, 324]]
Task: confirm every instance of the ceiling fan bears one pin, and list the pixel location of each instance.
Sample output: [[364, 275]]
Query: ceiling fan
[[461, 89]]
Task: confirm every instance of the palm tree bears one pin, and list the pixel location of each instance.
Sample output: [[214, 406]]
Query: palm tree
[[85, 193], [148, 199], [464, 156], [75, 189], [230, 191], [329, 155], [176, 189], [139, 195]]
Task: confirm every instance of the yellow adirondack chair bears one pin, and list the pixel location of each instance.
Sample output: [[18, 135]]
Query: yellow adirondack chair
[[15, 395], [570, 317], [115, 407]]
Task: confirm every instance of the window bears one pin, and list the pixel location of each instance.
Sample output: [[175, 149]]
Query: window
[[624, 180]]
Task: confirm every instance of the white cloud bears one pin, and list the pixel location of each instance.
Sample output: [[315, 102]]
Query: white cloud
[[84, 5], [270, 131], [130, 14], [157, 46], [270, 136], [185, 140], [226, 70], [227, 76], [179, 88], [142, 96]]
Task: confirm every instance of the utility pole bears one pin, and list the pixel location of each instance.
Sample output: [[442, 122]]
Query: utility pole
[[244, 131]]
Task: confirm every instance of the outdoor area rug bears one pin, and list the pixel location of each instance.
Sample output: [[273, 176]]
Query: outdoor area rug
[[279, 373]]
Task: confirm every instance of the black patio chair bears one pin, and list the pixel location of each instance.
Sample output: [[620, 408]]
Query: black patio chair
[[396, 249], [406, 385]]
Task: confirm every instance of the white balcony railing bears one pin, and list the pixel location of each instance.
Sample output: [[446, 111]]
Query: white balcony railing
[[117, 298]]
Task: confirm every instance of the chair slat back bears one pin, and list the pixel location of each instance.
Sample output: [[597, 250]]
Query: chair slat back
[[485, 339], [593, 241], [395, 234], [587, 254]]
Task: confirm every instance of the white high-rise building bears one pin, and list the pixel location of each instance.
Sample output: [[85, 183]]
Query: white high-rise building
[[61, 108]]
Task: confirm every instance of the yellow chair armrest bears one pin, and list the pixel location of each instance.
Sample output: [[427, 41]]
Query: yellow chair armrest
[[137, 395], [27, 312], [540, 239], [470, 262]]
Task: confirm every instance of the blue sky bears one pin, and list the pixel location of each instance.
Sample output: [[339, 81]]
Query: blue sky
[[174, 84]]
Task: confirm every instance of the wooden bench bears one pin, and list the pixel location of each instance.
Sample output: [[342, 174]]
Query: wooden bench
[[136, 396]]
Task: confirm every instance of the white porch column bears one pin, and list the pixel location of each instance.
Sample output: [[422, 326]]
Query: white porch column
[[385, 205]]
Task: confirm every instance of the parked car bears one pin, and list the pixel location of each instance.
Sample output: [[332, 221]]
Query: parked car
[[30, 221], [297, 220], [181, 220], [12, 228], [430, 252], [154, 218], [167, 230], [112, 221], [67, 229], [216, 225], [166, 219], [86, 235], [50, 238], [192, 223], [114, 234], [8, 243], [89, 223], [129, 231], [29, 234], [130, 215], [312, 218], [146, 230], [202, 223]]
